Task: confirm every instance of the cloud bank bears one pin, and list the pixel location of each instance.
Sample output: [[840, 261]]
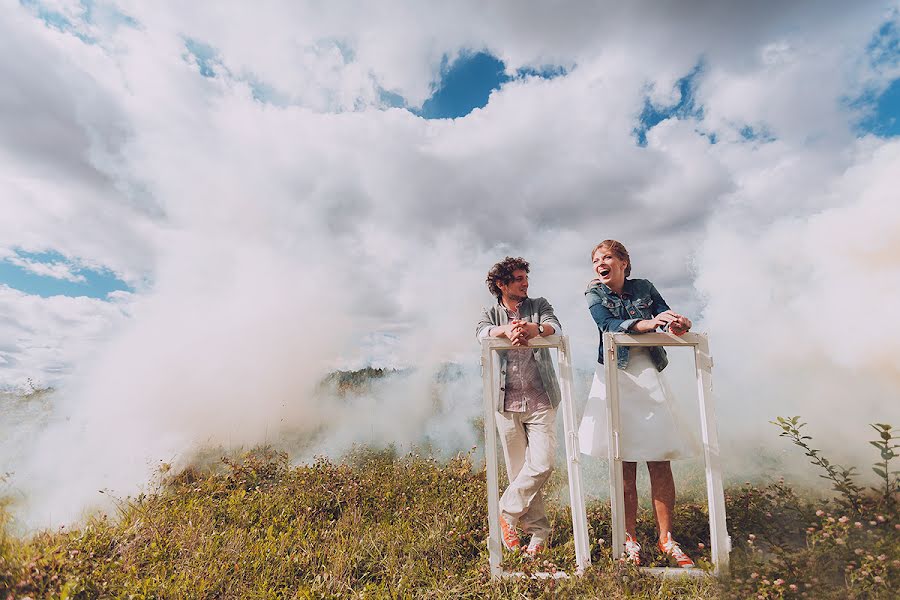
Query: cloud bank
[[240, 169]]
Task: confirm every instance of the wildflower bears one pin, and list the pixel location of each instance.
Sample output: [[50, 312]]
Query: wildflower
[[830, 519], [701, 545], [820, 512], [878, 579], [858, 525], [754, 575], [751, 536], [873, 522], [601, 541], [793, 587], [843, 520], [880, 518], [779, 581], [765, 582], [839, 541], [882, 557], [810, 529], [858, 551]]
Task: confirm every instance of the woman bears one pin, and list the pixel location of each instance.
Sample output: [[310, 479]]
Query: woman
[[649, 428]]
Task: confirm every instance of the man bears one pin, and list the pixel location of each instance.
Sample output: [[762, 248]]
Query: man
[[525, 402]]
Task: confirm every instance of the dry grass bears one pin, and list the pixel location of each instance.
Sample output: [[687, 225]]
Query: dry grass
[[379, 525]]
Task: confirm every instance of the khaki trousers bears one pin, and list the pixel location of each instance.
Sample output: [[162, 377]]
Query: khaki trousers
[[529, 448]]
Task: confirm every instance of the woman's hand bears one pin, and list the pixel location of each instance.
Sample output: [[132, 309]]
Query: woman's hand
[[680, 325], [675, 323], [666, 318]]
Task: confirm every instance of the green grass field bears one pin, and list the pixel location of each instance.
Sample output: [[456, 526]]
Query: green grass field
[[381, 525]]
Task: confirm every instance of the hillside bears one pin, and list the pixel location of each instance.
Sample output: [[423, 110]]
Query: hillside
[[378, 524]]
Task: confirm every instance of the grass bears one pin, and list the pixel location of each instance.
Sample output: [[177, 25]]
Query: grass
[[382, 525]]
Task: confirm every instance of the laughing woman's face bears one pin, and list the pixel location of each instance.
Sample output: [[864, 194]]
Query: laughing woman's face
[[609, 268]]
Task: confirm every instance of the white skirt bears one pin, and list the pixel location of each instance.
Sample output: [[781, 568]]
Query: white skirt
[[649, 426]]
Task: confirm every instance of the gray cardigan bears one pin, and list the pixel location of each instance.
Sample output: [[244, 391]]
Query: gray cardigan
[[534, 310]]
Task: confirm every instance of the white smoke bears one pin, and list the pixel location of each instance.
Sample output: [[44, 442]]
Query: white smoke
[[277, 223], [800, 308]]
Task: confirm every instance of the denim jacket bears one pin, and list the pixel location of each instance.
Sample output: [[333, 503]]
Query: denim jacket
[[614, 313], [534, 310]]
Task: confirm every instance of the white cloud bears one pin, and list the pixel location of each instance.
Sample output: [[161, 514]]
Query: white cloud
[[54, 269], [269, 242], [42, 338]]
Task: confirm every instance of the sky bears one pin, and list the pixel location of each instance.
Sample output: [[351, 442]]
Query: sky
[[204, 208]]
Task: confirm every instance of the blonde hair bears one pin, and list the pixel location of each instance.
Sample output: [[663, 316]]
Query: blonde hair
[[618, 250]]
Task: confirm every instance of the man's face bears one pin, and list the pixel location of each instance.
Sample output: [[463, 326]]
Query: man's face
[[517, 289]]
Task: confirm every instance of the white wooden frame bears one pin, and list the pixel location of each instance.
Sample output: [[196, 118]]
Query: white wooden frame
[[489, 346], [719, 540]]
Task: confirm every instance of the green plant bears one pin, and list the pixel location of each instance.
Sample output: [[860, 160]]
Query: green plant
[[886, 447], [842, 478]]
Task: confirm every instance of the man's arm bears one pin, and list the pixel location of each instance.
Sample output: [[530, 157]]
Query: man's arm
[[548, 319], [485, 325]]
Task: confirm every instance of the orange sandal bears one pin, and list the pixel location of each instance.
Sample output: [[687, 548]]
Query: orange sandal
[[671, 548], [508, 535], [632, 552]]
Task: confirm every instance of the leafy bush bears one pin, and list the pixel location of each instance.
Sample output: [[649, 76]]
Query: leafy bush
[[846, 547]]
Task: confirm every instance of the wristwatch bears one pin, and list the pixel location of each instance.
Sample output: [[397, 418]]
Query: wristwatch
[[540, 329]]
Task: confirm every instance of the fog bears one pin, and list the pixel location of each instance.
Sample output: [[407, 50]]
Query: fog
[[277, 220]]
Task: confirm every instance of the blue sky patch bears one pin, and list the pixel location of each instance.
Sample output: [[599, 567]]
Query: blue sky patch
[[53, 18], [880, 106], [467, 84], [88, 282], [686, 107], [884, 49], [205, 55], [882, 112], [756, 134]]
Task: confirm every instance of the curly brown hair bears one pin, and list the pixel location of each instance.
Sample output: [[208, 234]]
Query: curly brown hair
[[618, 250], [502, 272]]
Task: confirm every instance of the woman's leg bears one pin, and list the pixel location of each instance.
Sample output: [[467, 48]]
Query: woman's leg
[[629, 477], [662, 490]]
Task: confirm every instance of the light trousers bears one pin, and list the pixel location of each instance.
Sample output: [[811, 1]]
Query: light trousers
[[529, 449]]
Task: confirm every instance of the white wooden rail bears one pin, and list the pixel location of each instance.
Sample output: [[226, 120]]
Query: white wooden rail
[[719, 540], [489, 347]]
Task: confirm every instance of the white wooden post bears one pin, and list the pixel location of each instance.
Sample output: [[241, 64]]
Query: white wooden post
[[616, 478], [490, 459], [720, 542], [489, 346]]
